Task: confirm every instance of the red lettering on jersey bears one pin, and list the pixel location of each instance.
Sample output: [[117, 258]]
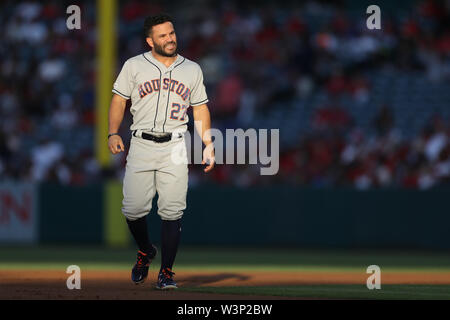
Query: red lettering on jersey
[[156, 84], [186, 94], [148, 87], [166, 83], [180, 89], [141, 91], [173, 83]]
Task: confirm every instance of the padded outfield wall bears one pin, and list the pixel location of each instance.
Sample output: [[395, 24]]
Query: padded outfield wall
[[228, 216]]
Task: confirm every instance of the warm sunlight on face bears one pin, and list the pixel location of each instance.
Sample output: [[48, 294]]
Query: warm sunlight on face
[[163, 39]]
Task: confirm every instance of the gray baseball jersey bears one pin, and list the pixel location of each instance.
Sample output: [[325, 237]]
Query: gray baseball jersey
[[160, 95]]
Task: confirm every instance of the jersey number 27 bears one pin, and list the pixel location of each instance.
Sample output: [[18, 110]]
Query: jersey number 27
[[175, 112]]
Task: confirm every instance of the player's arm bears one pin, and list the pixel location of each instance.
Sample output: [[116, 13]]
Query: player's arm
[[116, 112], [202, 122]]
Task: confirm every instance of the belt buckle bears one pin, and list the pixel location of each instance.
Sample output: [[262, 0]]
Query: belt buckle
[[163, 138]]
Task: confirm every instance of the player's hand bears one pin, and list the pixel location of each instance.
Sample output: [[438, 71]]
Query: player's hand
[[115, 144], [208, 157]]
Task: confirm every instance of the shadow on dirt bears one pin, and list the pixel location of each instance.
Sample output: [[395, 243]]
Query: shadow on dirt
[[198, 280]]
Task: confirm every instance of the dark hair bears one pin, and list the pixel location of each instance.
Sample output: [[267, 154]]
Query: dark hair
[[155, 20]]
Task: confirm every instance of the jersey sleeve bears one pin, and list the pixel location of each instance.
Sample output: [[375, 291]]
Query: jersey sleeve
[[198, 93], [124, 82]]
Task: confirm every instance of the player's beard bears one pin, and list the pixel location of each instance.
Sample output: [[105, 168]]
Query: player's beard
[[160, 50]]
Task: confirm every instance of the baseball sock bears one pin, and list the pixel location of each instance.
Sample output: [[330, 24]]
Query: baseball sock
[[139, 231], [170, 238]]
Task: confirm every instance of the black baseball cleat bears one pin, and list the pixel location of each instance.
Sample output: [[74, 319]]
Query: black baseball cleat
[[165, 280], [140, 270]]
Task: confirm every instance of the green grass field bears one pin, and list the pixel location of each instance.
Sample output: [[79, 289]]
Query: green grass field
[[387, 292], [255, 259]]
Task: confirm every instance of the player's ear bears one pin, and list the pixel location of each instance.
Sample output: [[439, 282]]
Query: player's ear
[[149, 41]]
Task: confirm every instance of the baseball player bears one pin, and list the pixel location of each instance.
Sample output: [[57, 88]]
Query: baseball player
[[162, 85]]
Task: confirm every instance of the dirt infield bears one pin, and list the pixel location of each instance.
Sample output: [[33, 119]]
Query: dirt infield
[[117, 285]]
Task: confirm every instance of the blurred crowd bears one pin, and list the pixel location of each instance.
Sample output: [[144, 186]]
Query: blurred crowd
[[354, 159], [335, 153], [255, 57], [47, 83]]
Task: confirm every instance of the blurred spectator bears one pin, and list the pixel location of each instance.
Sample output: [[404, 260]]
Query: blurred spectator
[[228, 96], [44, 156], [384, 121]]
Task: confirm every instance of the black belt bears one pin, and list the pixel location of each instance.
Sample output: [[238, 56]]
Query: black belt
[[158, 139]]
